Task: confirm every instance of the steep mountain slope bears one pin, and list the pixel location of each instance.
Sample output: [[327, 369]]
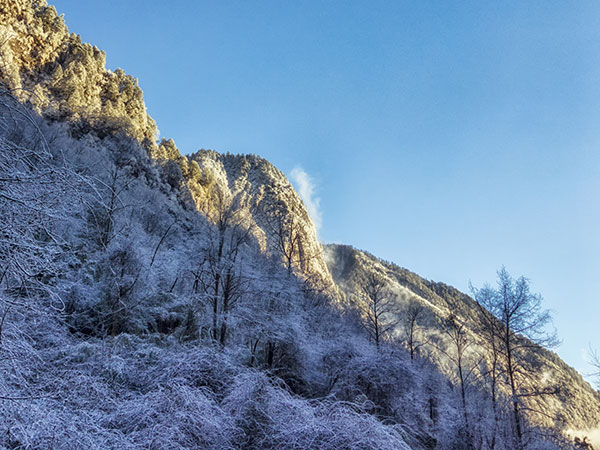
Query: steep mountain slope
[[130, 320], [577, 405], [66, 80], [154, 300]]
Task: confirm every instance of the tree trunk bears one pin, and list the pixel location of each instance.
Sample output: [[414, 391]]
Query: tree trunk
[[513, 388], [270, 354], [253, 351], [463, 395], [215, 304]]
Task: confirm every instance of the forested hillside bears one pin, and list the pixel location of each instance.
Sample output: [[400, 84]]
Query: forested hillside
[[427, 317], [150, 299]]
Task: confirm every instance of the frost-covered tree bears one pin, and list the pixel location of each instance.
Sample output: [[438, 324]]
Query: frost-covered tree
[[521, 324], [378, 307], [412, 313], [460, 340], [286, 231], [219, 279], [39, 201], [37, 190], [488, 327]]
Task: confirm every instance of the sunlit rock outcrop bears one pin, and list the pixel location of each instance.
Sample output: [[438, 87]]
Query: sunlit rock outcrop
[[64, 78]]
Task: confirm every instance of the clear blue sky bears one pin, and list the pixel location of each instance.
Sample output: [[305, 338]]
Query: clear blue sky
[[448, 137]]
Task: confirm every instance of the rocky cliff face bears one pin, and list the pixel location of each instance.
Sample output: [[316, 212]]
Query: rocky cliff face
[[575, 407], [268, 203]]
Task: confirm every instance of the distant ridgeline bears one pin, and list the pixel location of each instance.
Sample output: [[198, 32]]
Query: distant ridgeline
[[308, 330]]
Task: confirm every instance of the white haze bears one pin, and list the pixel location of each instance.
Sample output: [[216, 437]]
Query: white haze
[[305, 186]]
